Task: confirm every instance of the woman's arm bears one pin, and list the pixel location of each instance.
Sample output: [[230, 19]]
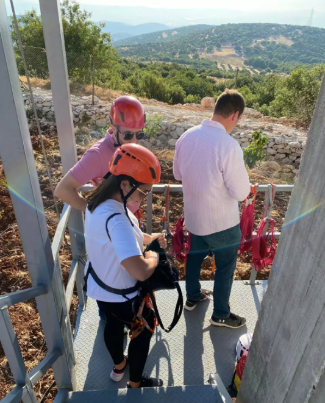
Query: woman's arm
[[140, 267]]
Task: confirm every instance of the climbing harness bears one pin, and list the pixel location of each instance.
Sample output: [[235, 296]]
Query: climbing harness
[[247, 221], [181, 241], [264, 243], [165, 277], [139, 322]]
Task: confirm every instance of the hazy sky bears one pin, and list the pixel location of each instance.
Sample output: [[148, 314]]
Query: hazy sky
[[234, 4], [189, 12]]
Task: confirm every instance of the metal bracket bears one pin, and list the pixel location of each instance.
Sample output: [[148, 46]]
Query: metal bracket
[[252, 280], [214, 379]]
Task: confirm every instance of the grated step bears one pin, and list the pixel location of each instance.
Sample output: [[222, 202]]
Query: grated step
[[179, 394], [186, 356]]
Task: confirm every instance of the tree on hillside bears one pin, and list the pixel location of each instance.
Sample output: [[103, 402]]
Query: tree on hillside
[[296, 95], [83, 41]]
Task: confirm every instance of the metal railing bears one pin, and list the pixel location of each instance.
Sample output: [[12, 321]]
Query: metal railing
[[24, 380], [268, 207]]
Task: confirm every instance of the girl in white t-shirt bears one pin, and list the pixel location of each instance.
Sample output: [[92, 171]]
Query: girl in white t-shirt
[[114, 244]]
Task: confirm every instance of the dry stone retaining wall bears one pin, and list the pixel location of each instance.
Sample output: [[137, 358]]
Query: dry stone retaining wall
[[286, 145]]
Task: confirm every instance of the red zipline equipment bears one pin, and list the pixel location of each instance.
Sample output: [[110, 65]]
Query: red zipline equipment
[[180, 240], [181, 243], [262, 254], [247, 221], [264, 243]]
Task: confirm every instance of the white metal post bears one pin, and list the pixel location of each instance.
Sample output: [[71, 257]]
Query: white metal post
[[56, 56], [19, 166], [286, 361]]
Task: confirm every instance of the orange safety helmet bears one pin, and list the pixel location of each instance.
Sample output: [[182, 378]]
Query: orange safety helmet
[[128, 112], [137, 162]]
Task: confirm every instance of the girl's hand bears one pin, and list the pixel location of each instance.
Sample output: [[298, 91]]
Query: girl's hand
[[152, 255], [162, 241]]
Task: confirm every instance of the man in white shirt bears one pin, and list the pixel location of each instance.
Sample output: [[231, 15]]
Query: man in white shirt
[[210, 164]]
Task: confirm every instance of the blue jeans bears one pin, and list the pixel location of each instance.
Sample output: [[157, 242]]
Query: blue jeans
[[225, 246]]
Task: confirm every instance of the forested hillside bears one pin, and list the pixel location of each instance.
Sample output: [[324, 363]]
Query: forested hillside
[[269, 47]]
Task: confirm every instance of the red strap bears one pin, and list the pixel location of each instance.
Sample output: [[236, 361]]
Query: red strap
[[181, 247], [264, 245], [247, 221]]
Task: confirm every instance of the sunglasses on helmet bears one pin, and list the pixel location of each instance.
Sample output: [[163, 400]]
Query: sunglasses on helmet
[[129, 135]]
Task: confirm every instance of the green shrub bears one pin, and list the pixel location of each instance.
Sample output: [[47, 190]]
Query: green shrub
[[264, 109], [29, 112], [176, 94], [254, 152], [153, 124], [192, 99]]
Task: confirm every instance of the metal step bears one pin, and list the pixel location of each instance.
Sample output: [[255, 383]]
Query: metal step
[[186, 356], [179, 394]]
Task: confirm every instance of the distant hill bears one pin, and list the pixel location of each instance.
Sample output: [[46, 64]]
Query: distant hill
[[165, 35], [261, 46], [119, 30]]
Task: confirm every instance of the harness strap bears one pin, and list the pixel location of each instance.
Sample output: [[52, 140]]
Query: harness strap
[[90, 270], [262, 254], [181, 247], [177, 313], [247, 221], [118, 291], [111, 216]]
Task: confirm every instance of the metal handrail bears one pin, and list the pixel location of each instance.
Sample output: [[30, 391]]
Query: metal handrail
[[36, 374], [179, 188], [7, 300], [16, 297], [60, 230]]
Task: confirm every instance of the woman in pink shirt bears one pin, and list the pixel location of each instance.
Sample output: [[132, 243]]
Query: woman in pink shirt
[[128, 120]]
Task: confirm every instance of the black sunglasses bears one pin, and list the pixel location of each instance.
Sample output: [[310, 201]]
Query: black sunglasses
[[129, 135]]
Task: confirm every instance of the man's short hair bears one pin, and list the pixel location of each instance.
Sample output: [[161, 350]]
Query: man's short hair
[[229, 102]]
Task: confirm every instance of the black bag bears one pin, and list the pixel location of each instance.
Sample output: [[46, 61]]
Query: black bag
[[165, 277]]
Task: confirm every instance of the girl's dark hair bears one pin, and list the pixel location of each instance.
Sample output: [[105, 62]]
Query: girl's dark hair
[[107, 190]]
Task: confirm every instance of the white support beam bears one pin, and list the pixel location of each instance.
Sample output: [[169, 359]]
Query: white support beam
[[56, 57], [19, 166], [287, 358]]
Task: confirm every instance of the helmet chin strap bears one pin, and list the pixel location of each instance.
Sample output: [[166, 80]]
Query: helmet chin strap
[[117, 137], [125, 198], [117, 143]]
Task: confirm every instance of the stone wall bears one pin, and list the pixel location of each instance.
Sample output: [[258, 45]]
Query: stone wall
[[286, 145], [281, 148]]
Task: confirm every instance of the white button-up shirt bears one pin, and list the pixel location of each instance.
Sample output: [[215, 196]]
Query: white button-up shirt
[[210, 164]]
